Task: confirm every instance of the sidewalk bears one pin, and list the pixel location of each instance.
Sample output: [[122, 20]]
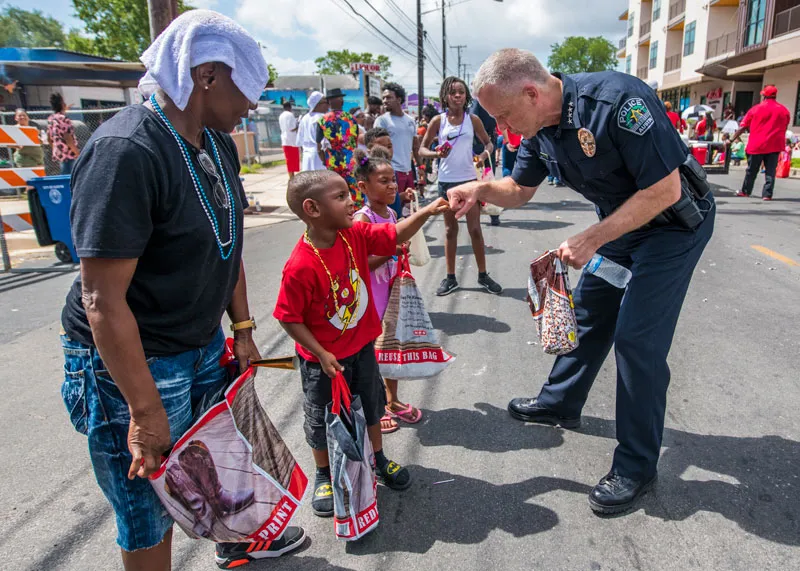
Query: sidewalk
[[267, 190]]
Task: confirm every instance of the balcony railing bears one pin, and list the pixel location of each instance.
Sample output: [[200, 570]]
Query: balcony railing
[[721, 45], [641, 73], [644, 29], [787, 21], [676, 9], [672, 63], [622, 43]]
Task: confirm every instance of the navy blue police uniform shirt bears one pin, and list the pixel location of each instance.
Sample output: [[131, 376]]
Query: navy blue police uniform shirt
[[614, 138]]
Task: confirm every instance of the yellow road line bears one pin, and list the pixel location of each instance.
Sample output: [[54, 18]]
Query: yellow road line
[[775, 255]]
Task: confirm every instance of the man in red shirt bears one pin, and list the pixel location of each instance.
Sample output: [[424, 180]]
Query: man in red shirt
[[676, 120], [767, 122]]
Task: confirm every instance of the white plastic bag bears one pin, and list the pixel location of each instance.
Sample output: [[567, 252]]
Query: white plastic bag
[[485, 174], [418, 253], [409, 346]]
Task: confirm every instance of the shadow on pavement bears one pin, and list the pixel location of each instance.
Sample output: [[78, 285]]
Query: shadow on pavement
[[467, 323], [74, 538], [463, 511], [520, 293], [487, 429], [464, 250], [761, 487], [534, 224], [571, 205], [9, 282]]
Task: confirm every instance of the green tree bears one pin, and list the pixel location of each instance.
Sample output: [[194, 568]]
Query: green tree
[[23, 29], [337, 62], [579, 54], [120, 28], [273, 73]]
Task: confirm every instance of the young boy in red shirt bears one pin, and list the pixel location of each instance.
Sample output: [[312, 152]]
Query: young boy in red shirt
[[325, 305]]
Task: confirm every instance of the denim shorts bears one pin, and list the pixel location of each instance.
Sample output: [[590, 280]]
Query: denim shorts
[[364, 379], [445, 186], [97, 409]]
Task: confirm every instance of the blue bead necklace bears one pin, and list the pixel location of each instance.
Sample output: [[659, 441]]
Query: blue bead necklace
[[198, 187]]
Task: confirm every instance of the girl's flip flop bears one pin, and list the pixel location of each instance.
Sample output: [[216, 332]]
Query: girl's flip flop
[[406, 414], [388, 424]]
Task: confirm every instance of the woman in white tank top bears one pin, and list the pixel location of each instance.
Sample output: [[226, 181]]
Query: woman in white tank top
[[454, 130]]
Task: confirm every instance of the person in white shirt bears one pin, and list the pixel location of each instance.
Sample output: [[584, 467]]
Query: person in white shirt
[[291, 150], [403, 133], [307, 132]]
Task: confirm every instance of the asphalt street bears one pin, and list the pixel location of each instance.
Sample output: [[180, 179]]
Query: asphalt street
[[728, 496]]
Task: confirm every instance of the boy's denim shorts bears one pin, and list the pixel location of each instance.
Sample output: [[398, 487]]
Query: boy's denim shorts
[[364, 379], [97, 409]]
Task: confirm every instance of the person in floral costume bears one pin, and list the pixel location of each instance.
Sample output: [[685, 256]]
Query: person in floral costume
[[337, 140]]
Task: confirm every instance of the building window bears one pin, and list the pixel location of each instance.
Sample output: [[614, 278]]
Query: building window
[[628, 64], [631, 19], [656, 10], [653, 55], [754, 24], [797, 107], [688, 39]]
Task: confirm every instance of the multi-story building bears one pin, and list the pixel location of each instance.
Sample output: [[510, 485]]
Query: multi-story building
[[715, 51]]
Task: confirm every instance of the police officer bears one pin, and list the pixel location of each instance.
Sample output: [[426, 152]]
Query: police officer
[[608, 137]]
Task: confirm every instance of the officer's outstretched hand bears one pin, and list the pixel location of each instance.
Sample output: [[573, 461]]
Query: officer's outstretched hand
[[577, 250], [463, 197]]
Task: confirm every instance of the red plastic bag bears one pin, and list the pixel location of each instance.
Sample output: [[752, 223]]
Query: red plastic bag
[[784, 165], [550, 300], [409, 347], [230, 477]]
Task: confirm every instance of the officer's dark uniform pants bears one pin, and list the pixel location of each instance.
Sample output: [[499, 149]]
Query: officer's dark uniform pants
[[754, 162], [640, 322]]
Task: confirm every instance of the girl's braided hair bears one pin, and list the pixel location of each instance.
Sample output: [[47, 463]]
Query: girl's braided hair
[[444, 91], [366, 164]]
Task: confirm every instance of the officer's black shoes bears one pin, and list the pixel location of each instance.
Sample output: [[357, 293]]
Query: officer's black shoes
[[495, 220], [448, 286], [615, 494], [529, 410], [489, 284]]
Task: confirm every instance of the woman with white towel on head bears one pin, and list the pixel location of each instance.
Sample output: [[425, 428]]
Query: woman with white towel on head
[[157, 216], [307, 132]]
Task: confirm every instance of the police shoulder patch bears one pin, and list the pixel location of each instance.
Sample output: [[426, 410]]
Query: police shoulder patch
[[634, 116]]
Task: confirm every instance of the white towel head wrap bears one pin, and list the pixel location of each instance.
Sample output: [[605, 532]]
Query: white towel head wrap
[[197, 37], [314, 99]]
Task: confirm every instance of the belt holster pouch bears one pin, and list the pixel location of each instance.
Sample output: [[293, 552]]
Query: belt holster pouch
[[686, 212], [696, 177]]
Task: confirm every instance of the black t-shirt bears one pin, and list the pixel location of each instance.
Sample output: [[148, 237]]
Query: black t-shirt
[[133, 198]]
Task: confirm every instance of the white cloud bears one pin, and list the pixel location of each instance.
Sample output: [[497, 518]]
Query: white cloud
[[483, 25], [287, 65]]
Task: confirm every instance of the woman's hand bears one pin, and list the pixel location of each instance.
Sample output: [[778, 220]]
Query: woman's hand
[[148, 439], [244, 348]]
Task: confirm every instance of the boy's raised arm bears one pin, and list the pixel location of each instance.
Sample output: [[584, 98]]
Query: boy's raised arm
[[407, 227]]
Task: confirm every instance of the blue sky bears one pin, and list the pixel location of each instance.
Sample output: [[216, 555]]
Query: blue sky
[[297, 31]]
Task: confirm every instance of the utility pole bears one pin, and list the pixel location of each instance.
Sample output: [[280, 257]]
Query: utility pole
[[444, 45], [161, 12], [420, 61], [459, 48]]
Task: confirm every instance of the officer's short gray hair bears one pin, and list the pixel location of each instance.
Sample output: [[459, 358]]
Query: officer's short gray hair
[[508, 67]]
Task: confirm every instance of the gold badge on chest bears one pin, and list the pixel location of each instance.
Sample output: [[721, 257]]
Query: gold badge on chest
[[587, 142]]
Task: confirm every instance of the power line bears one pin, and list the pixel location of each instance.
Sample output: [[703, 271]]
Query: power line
[[382, 17], [371, 25], [403, 16]]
